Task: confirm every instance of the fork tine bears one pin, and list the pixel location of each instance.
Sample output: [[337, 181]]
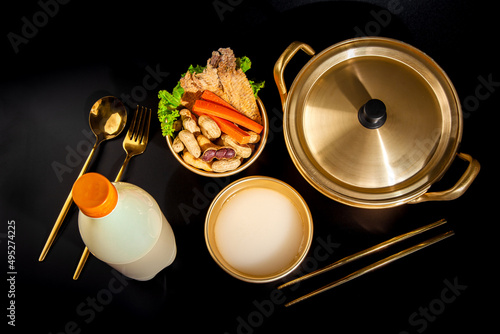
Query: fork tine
[[131, 131], [139, 125], [140, 129], [146, 127]]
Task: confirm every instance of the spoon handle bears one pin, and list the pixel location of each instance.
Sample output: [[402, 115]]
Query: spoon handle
[[65, 208]]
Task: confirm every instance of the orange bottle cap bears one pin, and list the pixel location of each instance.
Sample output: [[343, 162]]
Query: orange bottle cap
[[94, 195]]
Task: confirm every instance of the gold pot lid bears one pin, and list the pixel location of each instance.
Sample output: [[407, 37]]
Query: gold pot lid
[[372, 122]]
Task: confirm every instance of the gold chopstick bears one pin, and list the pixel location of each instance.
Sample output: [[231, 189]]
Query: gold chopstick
[[375, 266], [366, 252]]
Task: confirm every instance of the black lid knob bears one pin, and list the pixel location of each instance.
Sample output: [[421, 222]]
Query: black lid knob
[[373, 114]]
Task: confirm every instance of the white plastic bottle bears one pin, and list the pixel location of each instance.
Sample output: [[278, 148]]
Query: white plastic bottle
[[122, 225]]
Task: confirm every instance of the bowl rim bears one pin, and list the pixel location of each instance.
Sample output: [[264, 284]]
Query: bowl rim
[[245, 183], [245, 164]]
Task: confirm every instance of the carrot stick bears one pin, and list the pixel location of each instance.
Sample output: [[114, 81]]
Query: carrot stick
[[212, 97], [214, 109], [232, 130]]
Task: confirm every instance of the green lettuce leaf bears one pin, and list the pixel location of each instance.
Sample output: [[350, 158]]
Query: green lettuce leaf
[[244, 63], [256, 86], [196, 69], [168, 109]]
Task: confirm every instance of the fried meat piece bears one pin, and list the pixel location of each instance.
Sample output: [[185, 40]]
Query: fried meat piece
[[222, 78]]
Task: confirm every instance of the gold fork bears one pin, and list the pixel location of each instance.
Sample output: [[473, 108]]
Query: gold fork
[[135, 143]]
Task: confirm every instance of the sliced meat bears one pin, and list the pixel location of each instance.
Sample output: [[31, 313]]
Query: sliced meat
[[195, 83], [236, 86], [222, 78]]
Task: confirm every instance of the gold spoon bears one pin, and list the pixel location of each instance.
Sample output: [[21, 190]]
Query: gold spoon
[[107, 119]]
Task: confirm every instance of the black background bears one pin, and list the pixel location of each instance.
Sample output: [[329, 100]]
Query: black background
[[85, 50]]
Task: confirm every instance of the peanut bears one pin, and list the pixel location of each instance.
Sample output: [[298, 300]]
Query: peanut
[[177, 145], [225, 153], [243, 151], [177, 125], [221, 166], [208, 127], [211, 150], [208, 155], [254, 137], [190, 142], [189, 121], [196, 162], [205, 143]]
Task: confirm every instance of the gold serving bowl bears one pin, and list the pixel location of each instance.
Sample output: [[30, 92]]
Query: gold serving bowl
[[259, 182], [245, 164]]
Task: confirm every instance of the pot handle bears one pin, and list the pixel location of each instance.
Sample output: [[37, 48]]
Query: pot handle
[[459, 188], [281, 63]]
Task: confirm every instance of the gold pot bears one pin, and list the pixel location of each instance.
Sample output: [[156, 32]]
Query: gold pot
[[373, 122]]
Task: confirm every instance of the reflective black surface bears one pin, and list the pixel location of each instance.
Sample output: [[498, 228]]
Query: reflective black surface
[[59, 57]]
